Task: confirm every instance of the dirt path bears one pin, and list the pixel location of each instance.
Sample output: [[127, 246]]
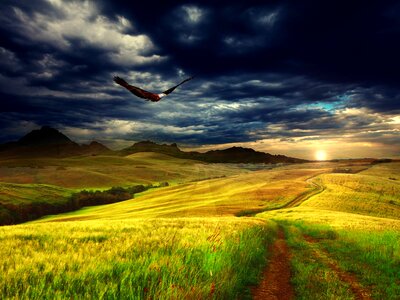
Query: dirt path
[[360, 293], [318, 188], [275, 283]]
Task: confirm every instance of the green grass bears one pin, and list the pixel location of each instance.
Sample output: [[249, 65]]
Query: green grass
[[312, 278], [372, 256], [214, 258]]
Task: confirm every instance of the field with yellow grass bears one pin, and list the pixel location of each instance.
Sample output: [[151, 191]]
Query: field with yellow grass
[[133, 259], [341, 224], [265, 189], [107, 171]]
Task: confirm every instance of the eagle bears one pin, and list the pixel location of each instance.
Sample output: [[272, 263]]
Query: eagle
[[148, 96]]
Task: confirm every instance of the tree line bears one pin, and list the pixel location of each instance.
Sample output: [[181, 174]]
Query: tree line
[[18, 213]]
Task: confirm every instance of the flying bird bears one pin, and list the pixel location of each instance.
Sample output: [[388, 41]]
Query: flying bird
[[145, 94]]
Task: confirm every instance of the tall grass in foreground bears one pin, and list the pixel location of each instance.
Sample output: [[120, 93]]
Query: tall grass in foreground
[[373, 256], [136, 259]]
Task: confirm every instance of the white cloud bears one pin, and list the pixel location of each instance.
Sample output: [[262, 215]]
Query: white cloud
[[83, 21], [193, 14], [125, 128]]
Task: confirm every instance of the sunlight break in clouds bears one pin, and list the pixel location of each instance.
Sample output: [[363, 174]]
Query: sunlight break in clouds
[[83, 21], [194, 14], [320, 155]]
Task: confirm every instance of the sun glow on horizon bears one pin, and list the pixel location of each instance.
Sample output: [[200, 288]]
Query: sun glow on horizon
[[320, 155]]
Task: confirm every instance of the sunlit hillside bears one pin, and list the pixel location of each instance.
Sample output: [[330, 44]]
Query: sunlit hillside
[[258, 190], [107, 171], [348, 199], [357, 193], [184, 241]]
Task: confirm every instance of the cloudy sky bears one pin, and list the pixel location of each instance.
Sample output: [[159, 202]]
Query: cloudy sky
[[287, 77]]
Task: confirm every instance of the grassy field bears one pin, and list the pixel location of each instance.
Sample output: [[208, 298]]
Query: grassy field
[[341, 222], [344, 240], [173, 258], [341, 263], [266, 189], [107, 171], [358, 193]]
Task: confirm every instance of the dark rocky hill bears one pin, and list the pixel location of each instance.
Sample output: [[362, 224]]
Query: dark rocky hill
[[48, 142], [230, 155]]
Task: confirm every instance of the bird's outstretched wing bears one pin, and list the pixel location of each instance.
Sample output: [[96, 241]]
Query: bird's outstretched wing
[[137, 91], [173, 88], [145, 94]]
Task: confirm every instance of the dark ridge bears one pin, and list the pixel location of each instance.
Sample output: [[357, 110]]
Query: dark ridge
[[49, 142], [44, 136], [230, 155]]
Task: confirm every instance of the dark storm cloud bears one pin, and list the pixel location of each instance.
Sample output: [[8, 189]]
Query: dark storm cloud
[[265, 69], [329, 39]]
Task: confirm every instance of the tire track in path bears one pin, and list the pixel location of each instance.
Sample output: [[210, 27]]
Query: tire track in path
[[275, 283], [359, 292]]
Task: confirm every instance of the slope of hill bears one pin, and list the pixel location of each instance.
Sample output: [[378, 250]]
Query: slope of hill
[[358, 193], [369, 199], [362, 195], [22, 202], [106, 171], [268, 189]]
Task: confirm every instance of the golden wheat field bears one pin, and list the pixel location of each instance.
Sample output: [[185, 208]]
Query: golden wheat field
[[185, 242], [108, 171]]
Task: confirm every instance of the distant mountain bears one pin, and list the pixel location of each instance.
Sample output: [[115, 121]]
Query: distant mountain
[[45, 136], [49, 142], [148, 146], [230, 155], [95, 148]]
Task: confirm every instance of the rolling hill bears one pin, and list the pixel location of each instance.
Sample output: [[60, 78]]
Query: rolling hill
[[104, 171]]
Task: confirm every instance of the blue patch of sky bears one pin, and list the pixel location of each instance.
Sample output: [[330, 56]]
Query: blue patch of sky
[[330, 106]]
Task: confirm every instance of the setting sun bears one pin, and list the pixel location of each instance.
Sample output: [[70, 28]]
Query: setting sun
[[320, 155]]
